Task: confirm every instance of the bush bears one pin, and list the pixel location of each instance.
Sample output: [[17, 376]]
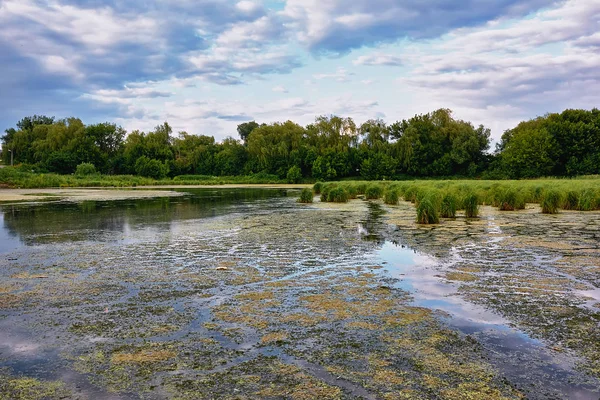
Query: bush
[[428, 210], [306, 196], [338, 195], [85, 169], [551, 201], [391, 196], [471, 205], [294, 174], [449, 205], [317, 187], [373, 192], [151, 168]]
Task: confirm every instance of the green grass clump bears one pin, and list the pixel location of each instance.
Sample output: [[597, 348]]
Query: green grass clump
[[361, 188], [428, 210], [410, 194], [391, 196], [470, 204], [588, 200], [373, 192], [317, 187], [449, 205], [352, 191], [325, 189], [510, 199], [551, 200], [338, 195], [571, 201], [306, 196]]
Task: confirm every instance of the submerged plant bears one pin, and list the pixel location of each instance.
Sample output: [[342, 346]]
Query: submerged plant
[[551, 201], [449, 205], [471, 205], [428, 210], [306, 196]]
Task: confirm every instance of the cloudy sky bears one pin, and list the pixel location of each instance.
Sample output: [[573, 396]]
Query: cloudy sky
[[207, 65]]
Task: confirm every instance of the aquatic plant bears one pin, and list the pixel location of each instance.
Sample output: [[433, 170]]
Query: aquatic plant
[[338, 195], [471, 205], [571, 200], [373, 192], [448, 205], [510, 199], [428, 210], [551, 200], [306, 196], [410, 194], [325, 189], [588, 200], [317, 187], [391, 196]]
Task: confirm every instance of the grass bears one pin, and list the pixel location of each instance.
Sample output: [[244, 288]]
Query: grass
[[306, 196], [391, 195], [510, 199], [449, 205], [374, 191], [428, 209], [471, 205], [551, 201]]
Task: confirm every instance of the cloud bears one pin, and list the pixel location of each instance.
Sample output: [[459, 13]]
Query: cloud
[[338, 26], [340, 75], [378, 59], [279, 89]]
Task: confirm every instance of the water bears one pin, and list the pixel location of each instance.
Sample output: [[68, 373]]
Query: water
[[112, 277]]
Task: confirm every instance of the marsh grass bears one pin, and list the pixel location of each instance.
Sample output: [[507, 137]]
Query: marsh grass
[[588, 200], [391, 196], [374, 191], [551, 201], [338, 195], [449, 205], [317, 187], [509, 199], [470, 203], [306, 196], [571, 200], [428, 209]]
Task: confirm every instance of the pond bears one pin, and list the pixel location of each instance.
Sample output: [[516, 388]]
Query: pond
[[244, 293]]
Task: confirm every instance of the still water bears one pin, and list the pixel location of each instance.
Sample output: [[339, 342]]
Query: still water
[[199, 296]]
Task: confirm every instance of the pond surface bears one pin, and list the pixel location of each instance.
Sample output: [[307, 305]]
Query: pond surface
[[243, 293]]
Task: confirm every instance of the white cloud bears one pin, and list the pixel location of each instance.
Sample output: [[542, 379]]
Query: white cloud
[[340, 75], [279, 89], [378, 59]]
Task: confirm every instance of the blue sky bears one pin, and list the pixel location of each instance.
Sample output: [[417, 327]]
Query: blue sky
[[206, 65]]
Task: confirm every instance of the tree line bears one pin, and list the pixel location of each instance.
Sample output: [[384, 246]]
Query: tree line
[[427, 145]]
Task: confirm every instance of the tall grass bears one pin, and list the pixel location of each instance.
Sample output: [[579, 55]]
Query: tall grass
[[374, 191], [428, 210], [551, 200], [449, 205], [338, 195], [510, 199], [470, 204], [306, 196], [391, 196], [317, 187]]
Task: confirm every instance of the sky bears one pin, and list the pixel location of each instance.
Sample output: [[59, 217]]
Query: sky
[[206, 66]]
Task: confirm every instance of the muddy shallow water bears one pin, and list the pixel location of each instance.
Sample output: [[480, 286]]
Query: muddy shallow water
[[243, 293]]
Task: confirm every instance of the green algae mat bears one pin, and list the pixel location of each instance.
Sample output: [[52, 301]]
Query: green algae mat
[[246, 294]]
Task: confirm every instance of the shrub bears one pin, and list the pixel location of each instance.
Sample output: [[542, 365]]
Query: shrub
[[373, 192], [510, 199], [571, 201], [449, 205], [151, 168], [317, 187], [391, 196], [294, 174], [338, 195], [471, 205], [551, 201], [306, 196], [428, 210], [85, 169]]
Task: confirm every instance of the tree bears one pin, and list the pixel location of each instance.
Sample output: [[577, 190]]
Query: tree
[[245, 129]]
